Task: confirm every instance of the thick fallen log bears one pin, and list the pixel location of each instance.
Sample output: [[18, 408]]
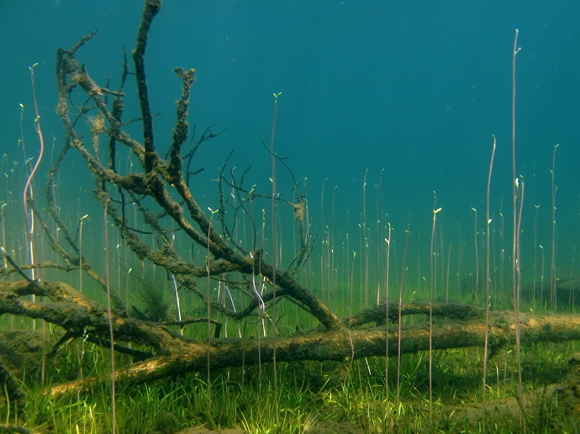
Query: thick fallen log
[[343, 345], [455, 326]]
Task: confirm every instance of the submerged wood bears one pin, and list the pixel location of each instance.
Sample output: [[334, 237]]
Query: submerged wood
[[460, 326]]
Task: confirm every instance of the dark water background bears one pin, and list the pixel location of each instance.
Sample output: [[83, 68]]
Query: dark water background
[[416, 88]]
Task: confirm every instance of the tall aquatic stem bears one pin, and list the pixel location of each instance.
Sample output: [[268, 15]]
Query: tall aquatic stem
[[333, 271], [542, 276], [487, 224], [27, 186], [81, 345], [3, 222], [255, 289], [476, 290], [177, 301], [109, 316], [378, 237], [502, 250], [28, 192], [350, 312], [322, 269], [447, 277], [431, 284], [535, 254], [554, 189], [388, 241], [515, 233], [273, 236], [365, 241], [400, 320], [208, 295]]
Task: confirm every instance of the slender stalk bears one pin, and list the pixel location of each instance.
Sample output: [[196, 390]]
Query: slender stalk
[[27, 186], [400, 321], [28, 192], [388, 241], [447, 279], [515, 235], [535, 255], [177, 302], [502, 249], [553, 279], [350, 314], [518, 287], [208, 295], [332, 274], [487, 223], [378, 237], [419, 280], [322, 273], [81, 346], [109, 316], [365, 241], [476, 293], [255, 289], [494, 267], [459, 255], [347, 253], [273, 236], [542, 277], [431, 284], [3, 222]]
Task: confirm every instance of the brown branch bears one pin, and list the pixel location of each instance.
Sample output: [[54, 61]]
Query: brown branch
[[340, 345], [180, 130], [207, 135], [175, 355], [449, 310], [72, 311], [159, 176], [149, 12], [218, 325]]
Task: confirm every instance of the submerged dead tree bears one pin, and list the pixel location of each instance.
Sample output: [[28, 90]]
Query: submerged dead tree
[[164, 182]]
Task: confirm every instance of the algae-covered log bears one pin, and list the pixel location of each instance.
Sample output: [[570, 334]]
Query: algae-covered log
[[176, 355]]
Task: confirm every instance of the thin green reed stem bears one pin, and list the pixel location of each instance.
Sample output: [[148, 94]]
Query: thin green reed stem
[[208, 295], [30, 216], [400, 321], [388, 241], [27, 186], [350, 316], [378, 237], [487, 223], [365, 241], [476, 293], [332, 280], [535, 256], [553, 263], [515, 235], [447, 278], [109, 316], [273, 236], [431, 284], [322, 273]]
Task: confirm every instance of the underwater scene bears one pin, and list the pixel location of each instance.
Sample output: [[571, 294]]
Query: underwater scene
[[269, 216]]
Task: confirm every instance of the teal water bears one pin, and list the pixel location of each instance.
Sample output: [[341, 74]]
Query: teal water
[[416, 89]]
